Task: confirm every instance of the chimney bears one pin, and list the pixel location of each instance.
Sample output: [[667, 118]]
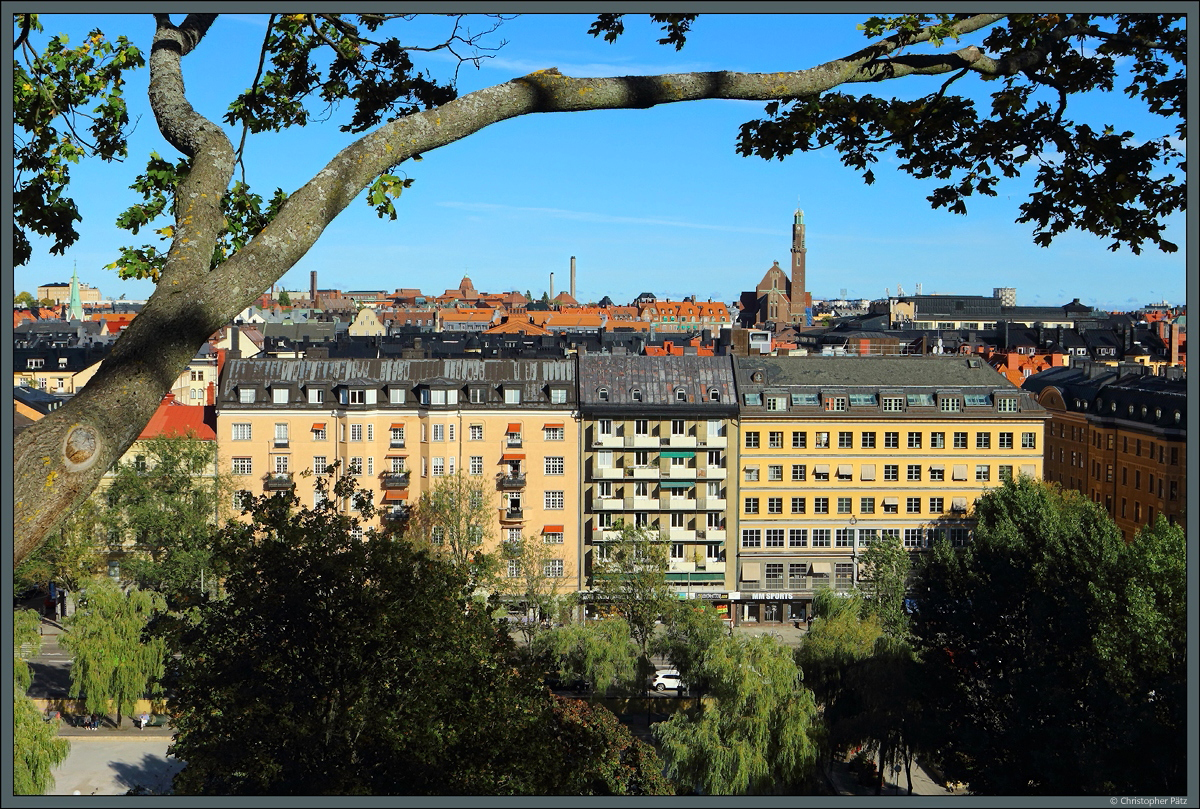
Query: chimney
[[312, 287], [211, 398], [572, 276], [552, 287], [1174, 344]]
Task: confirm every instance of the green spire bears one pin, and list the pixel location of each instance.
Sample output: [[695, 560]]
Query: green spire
[[75, 308]]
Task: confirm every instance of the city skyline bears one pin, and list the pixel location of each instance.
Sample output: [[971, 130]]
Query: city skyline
[[646, 200]]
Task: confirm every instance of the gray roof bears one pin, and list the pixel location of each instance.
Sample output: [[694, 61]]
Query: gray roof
[[532, 376], [658, 379], [872, 372]]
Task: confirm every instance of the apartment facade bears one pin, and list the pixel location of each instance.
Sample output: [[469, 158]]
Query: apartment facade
[[837, 452], [402, 425], [659, 443]]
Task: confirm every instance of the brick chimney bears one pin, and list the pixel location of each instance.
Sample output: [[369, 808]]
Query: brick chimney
[[1174, 343]]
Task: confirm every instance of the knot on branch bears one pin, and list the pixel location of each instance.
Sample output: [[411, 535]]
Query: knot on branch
[[79, 449]]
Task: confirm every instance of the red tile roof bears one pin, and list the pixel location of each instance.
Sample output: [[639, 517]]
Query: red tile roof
[[175, 419]]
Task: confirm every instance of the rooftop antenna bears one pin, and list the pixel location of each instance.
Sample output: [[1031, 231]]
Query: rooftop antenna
[[899, 291]]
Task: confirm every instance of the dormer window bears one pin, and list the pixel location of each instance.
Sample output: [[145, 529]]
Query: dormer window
[[636, 394], [396, 395], [358, 396], [680, 395], [246, 395], [558, 396], [602, 394], [512, 395], [279, 395], [714, 395]]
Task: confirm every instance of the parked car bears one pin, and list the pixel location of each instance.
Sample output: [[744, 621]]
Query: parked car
[[667, 678]]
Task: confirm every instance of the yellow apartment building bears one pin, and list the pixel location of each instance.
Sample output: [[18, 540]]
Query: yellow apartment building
[[836, 452], [658, 452], [400, 425]]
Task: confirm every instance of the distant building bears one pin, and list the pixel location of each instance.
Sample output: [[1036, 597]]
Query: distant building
[[779, 299]]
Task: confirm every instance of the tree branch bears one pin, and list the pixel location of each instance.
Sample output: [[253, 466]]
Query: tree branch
[[60, 459]]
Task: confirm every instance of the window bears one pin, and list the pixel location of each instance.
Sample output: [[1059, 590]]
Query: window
[[751, 505], [914, 471], [919, 399], [752, 399], [866, 505], [641, 427], [799, 471], [798, 505], [512, 395], [775, 472], [776, 403], [752, 439], [1006, 404], [1005, 473], [602, 394], [799, 440], [439, 433], [843, 505], [950, 404], [554, 501], [398, 465], [891, 505], [1028, 440], [246, 395], [960, 440], [358, 397], [835, 403], [371, 465], [983, 440], [751, 538], [241, 466], [558, 396], [553, 568], [846, 440], [862, 400], [449, 432], [914, 440], [937, 473], [844, 538], [983, 473], [868, 440], [279, 395], [438, 466], [34, 364], [356, 432], [553, 433], [937, 440], [554, 465], [716, 427], [319, 465], [751, 474], [820, 505], [820, 537], [891, 440], [797, 538], [636, 394], [937, 505], [775, 440], [774, 505], [821, 441], [893, 404], [281, 434], [241, 432], [821, 472], [913, 505], [678, 427], [774, 538], [959, 536], [514, 568], [604, 426], [914, 537], [1005, 441], [891, 471]]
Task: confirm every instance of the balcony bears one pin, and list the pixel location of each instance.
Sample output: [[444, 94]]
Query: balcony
[[715, 441], [641, 441], [680, 441], [676, 472], [608, 504], [280, 443], [512, 515], [712, 503], [679, 503], [396, 443], [278, 482], [607, 440], [714, 535], [394, 480], [607, 472], [641, 503], [513, 441], [681, 535], [510, 482], [712, 473], [643, 472]]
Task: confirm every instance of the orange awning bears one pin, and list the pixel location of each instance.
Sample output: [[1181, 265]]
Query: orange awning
[[393, 497], [514, 428], [400, 455], [320, 425], [553, 424], [552, 529], [512, 456]]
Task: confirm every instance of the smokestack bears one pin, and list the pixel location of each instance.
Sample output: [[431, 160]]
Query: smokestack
[[573, 276], [312, 287], [551, 287], [1174, 343]]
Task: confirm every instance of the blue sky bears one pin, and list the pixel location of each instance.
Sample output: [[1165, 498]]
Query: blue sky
[[646, 200]]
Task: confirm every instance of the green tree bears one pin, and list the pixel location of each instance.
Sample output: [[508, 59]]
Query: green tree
[[1053, 648], [348, 664], [885, 568], [24, 299], [692, 630], [597, 755], [529, 583], [756, 736], [113, 664], [223, 244], [71, 556], [599, 652], [455, 519], [168, 500], [284, 298], [37, 749]]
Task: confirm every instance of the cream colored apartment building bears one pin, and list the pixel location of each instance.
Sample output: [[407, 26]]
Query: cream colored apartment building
[[401, 425]]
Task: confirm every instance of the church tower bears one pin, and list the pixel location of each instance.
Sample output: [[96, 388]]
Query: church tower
[[800, 298], [75, 306]]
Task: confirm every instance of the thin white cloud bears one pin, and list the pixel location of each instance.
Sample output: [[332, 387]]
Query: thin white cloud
[[591, 216]]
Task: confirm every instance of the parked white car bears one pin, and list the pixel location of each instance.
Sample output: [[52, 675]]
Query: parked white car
[[667, 678]]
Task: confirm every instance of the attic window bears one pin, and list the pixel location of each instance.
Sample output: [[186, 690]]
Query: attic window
[[602, 394], [681, 395], [636, 394], [714, 395], [246, 396]]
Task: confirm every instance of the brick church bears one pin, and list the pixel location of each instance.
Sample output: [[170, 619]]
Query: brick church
[[777, 299]]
